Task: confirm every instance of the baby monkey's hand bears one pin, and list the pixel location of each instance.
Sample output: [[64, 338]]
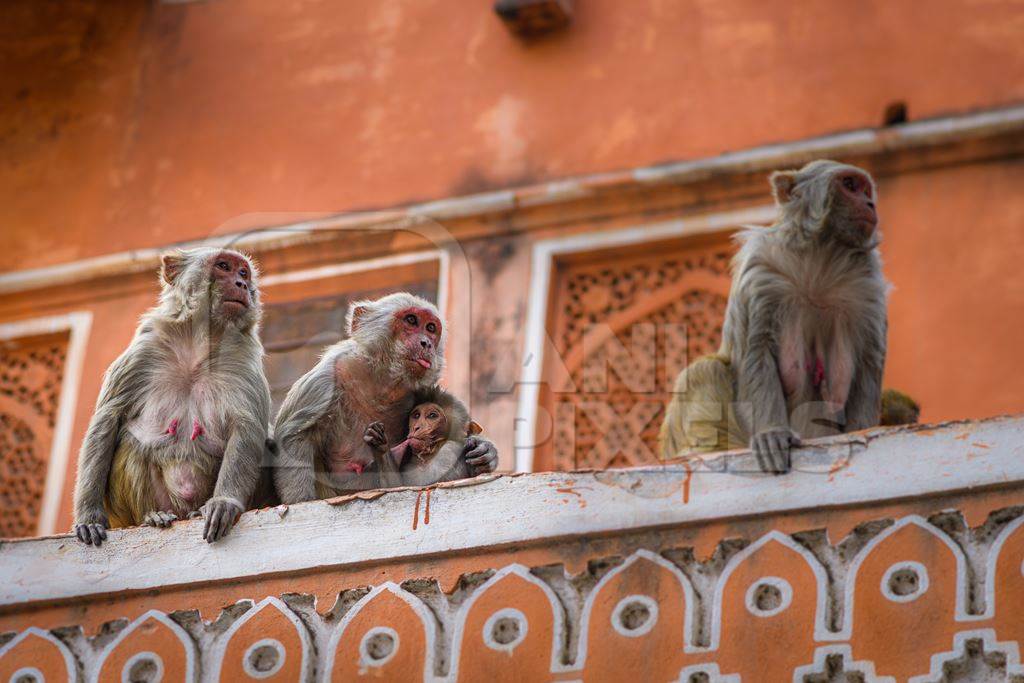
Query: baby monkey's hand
[[375, 437]]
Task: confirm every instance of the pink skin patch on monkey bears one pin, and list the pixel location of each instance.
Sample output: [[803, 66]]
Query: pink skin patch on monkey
[[173, 428], [355, 466], [817, 370], [182, 483], [420, 331], [197, 429]]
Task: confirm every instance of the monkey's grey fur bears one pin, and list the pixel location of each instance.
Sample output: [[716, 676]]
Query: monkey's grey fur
[[808, 289], [187, 361], [360, 380]]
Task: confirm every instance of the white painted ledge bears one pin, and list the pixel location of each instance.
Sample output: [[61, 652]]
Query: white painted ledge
[[874, 466]]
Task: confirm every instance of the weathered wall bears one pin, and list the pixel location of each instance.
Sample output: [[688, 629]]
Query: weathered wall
[[952, 241], [141, 123], [885, 554]]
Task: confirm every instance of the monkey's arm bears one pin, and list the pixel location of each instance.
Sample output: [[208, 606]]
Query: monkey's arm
[[307, 403], [240, 469], [863, 406], [760, 393], [121, 385], [384, 457]]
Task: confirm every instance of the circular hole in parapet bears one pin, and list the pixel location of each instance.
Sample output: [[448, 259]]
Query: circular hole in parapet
[[505, 629], [768, 596], [635, 615], [380, 646], [27, 674], [264, 658], [905, 581], [143, 667]]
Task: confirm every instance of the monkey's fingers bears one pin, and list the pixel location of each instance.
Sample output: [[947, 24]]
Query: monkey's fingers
[[761, 453], [159, 518], [481, 455], [98, 534], [220, 520], [206, 525], [783, 441], [211, 532]]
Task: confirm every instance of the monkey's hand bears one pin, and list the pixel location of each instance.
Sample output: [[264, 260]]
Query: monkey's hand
[[221, 514], [375, 437], [480, 454], [771, 446], [159, 518], [92, 529]]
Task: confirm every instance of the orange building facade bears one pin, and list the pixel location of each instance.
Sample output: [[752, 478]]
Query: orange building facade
[[568, 200]]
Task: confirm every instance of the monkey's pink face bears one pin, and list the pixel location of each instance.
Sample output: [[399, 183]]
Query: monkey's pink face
[[855, 193], [232, 276], [419, 331], [427, 422]]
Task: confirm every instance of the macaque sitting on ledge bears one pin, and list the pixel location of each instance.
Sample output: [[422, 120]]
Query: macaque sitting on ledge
[[432, 449]]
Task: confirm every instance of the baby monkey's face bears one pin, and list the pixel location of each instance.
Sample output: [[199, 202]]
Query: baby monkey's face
[[427, 422]]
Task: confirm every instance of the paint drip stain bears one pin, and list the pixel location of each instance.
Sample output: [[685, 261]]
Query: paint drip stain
[[686, 482], [426, 509]]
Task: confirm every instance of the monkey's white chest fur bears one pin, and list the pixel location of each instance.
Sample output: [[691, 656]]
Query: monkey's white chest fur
[[824, 314], [186, 412]]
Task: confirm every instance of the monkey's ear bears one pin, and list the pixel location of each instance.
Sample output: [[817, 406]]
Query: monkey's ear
[[356, 314], [473, 428], [171, 266], [783, 183]]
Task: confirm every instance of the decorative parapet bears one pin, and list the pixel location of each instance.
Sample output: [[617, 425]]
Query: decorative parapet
[[888, 555]]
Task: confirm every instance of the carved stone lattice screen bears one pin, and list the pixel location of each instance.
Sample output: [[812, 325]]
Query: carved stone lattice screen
[[31, 370], [623, 324]]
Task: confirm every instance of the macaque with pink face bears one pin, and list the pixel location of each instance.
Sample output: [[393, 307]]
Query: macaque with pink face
[[395, 350], [804, 338], [180, 425], [429, 453]]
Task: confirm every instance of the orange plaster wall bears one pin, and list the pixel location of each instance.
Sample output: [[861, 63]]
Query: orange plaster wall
[[137, 124], [953, 249]]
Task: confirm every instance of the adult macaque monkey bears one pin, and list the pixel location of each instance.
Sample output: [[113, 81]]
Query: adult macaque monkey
[[431, 451], [394, 349], [181, 420], [803, 343]]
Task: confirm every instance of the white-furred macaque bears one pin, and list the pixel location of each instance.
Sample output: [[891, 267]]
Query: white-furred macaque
[[804, 337], [180, 425]]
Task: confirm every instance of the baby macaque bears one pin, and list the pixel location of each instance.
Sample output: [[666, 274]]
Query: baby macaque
[[432, 448]]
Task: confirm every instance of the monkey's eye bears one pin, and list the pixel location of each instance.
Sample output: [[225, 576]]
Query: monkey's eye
[[223, 265], [411, 319], [431, 327], [433, 416], [850, 184], [416, 415], [243, 272]]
